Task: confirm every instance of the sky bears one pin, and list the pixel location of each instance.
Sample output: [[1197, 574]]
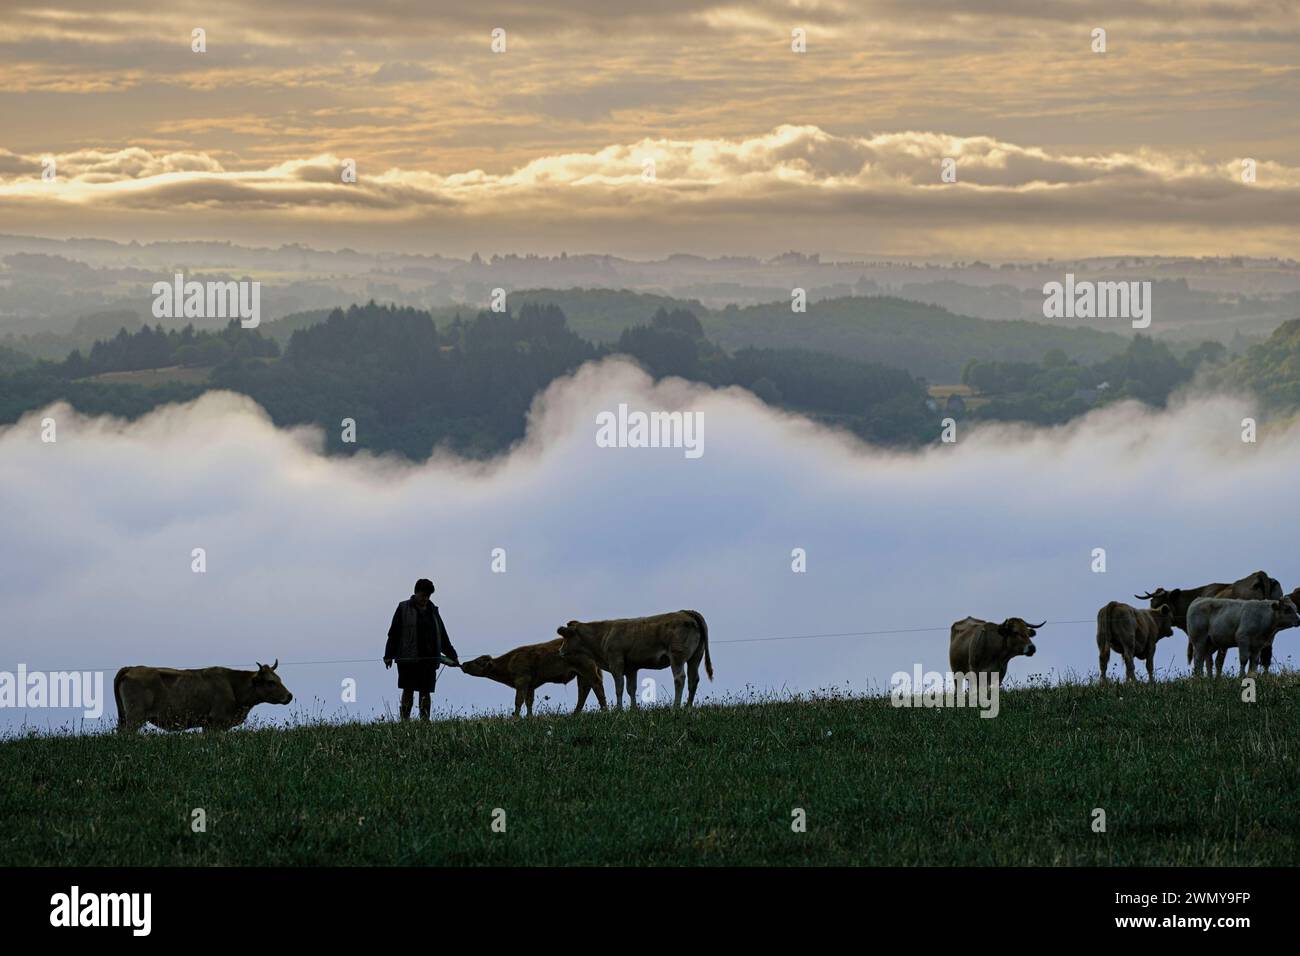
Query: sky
[[307, 556], [1059, 150]]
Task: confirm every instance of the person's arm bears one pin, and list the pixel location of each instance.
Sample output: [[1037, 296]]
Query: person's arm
[[447, 648], [391, 648]]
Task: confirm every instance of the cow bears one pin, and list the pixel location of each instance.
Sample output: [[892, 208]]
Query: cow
[[624, 646], [976, 646], [1257, 586], [1250, 626], [214, 698], [528, 667], [1133, 633]]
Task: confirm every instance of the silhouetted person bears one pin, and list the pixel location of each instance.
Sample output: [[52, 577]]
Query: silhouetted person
[[417, 640]]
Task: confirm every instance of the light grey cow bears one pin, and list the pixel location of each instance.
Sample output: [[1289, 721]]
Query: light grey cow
[[1220, 623]]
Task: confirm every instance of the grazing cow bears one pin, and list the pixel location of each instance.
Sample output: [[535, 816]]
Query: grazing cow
[[214, 698], [976, 646], [1250, 626], [627, 645], [529, 667], [1133, 633], [1253, 587]]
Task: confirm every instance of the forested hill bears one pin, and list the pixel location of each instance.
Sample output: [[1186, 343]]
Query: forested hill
[[413, 385], [1271, 370], [466, 386], [926, 340]]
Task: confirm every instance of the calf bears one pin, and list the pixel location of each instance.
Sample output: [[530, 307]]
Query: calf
[[214, 698], [1221, 623], [1133, 633], [529, 667]]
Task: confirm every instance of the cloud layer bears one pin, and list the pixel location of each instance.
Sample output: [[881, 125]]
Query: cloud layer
[[1070, 152], [793, 183], [307, 556]]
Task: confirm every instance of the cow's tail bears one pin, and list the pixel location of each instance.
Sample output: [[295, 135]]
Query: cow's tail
[[1103, 626], [117, 697], [704, 639]]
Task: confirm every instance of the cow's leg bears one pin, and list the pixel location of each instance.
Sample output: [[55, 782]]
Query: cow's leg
[[521, 691], [679, 681], [583, 690], [127, 726], [127, 723], [1129, 674], [1151, 668], [597, 683], [692, 679], [531, 692], [616, 668], [1218, 663], [632, 688], [1103, 661]]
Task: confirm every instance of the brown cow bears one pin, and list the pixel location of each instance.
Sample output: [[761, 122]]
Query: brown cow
[[1134, 634], [976, 646], [1257, 586], [529, 667], [214, 698], [627, 645]]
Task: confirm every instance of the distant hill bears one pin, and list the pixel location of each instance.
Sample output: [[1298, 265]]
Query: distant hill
[[1270, 370], [926, 340]]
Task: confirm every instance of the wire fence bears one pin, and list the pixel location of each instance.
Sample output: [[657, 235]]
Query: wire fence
[[712, 642]]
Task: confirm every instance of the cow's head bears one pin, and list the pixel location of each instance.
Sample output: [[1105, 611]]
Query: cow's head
[[478, 667], [1285, 614], [572, 634], [1160, 596], [268, 687], [1018, 636], [1294, 597], [1164, 621]]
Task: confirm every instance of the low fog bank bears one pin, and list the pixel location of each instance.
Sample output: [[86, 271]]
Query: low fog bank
[[307, 556]]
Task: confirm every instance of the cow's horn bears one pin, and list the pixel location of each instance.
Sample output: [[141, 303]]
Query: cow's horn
[[276, 664], [1143, 597], [1036, 626]]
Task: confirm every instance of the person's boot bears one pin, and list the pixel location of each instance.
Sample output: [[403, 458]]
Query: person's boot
[[406, 707], [426, 704]]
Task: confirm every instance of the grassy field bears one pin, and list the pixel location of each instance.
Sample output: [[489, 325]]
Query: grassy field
[[1186, 772]]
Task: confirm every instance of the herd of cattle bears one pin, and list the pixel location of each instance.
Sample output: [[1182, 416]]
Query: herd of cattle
[[1246, 614]]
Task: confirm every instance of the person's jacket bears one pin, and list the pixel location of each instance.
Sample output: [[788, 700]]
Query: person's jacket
[[403, 634]]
